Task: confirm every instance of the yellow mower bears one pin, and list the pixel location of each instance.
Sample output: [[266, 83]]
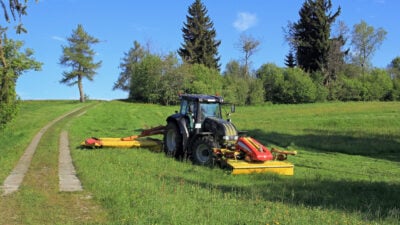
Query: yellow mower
[[199, 132]]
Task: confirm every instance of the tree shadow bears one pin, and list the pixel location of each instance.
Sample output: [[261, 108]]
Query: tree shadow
[[377, 146], [373, 200]]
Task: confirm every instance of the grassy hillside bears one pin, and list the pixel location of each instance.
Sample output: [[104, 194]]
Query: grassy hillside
[[347, 170]]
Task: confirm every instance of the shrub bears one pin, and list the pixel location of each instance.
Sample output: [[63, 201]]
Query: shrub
[[351, 90], [256, 92], [291, 85], [298, 87], [379, 85], [396, 89], [204, 80]]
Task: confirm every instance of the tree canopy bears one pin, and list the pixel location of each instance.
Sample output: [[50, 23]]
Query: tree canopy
[[13, 65]]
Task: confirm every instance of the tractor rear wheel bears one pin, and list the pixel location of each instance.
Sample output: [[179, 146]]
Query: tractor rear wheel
[[202, 151], [173, 141]]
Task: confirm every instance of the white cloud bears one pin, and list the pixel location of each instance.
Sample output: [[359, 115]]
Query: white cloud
[[57, 38], [244, 21]]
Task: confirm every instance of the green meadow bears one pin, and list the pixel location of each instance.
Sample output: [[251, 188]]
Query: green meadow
[[347, 170]]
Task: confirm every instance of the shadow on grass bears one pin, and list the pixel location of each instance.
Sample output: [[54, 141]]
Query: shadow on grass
[[377, 146], [372, 200]]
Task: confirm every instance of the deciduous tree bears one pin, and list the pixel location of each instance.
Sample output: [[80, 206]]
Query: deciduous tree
[[365, 41], [13, 62]]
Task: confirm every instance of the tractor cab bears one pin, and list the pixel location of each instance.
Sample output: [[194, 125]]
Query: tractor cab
[[199, 107]]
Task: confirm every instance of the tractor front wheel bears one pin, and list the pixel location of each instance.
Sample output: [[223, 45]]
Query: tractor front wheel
[[202, 151]]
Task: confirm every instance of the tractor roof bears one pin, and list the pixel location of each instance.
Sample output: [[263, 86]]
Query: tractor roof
[[202, 98]]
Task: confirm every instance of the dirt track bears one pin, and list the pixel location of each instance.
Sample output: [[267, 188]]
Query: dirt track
[[68, 180]]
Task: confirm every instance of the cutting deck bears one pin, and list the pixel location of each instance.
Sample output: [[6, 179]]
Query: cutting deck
[[277, 167], [154, 144]]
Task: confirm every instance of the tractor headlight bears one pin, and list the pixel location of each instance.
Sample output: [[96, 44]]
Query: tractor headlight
[[230, 138]]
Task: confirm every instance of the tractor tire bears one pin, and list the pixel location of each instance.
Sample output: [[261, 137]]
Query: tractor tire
[[202, 151], [173, 141]]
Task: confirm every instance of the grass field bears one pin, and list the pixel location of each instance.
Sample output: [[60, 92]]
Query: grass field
[[347, 170]]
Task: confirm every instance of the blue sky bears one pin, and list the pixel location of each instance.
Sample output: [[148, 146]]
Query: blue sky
[[158, 23]]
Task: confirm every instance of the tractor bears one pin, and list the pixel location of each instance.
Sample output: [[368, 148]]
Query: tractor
[[198, 132], [198, 128]]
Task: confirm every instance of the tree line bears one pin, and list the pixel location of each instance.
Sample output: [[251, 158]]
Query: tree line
[[319, 67]]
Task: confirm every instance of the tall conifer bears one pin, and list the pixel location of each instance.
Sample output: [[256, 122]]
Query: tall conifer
[[312, 35], [200, 45]]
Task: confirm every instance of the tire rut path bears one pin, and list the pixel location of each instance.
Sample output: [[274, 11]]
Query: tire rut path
[[12, 183], [68, 181]]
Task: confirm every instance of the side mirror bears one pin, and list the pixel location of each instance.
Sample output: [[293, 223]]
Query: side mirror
[[233, 108]]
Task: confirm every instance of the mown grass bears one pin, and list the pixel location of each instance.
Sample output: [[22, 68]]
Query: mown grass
[[347, 170]]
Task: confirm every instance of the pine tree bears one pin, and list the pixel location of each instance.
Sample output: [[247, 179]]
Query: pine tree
[[130, 60], [199, 35], [290, 61], [79, 56], [312, 35]]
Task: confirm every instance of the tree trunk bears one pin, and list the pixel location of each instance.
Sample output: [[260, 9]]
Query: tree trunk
[[80, 86]]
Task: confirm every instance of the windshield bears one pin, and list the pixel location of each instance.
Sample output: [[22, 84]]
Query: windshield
[[210, 110]]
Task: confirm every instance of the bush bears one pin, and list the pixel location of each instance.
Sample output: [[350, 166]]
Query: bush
[[396, 89], [235, 90], [145, 80], [8, 112], [256, 92], [272, 79], [204, 80], [322, 92], [351, 90], [291, 85], [298, 87], [379, 85]]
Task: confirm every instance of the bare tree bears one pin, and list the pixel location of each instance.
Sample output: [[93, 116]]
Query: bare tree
[[248, 45]]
